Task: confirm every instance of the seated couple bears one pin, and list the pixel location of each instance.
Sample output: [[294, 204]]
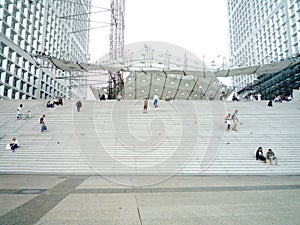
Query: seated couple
[[270, 156]]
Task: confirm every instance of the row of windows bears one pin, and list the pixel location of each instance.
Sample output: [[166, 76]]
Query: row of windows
[[29, 83], [240, 35], [239, 5], [24, 17], [56, 35], [249, 55], [272, 33], [29, 77], [13, 93], [27, 26], [270, 36], [21, 74], [25, 38]]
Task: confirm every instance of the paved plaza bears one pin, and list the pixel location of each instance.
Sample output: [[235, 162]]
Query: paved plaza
[[242, 200]]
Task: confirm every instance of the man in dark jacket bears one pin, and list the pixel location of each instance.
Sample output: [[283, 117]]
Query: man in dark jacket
[[78, 105]]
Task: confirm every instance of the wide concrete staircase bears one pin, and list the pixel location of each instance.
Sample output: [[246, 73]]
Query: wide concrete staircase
[[178, 137]]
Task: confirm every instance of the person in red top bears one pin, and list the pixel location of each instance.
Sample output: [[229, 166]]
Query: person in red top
[[145, 105]]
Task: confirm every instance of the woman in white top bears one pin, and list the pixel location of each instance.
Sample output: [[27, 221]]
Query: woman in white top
[[228, 121], [19, 111], [235, 120], [14, 144]]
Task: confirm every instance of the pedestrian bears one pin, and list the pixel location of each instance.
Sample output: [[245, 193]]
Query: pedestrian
[[235, 120], [19, 111], [145, 105], [278, 99], [43, 126], [13, 144], [60, 100], [258, 97], [78, 105], [228, 121], [234, 98], [260, 155], [168, 98], [155, 101], [270, 103], [50, 104], [271, 157], [56, 101], [102, 98], [119, 97], [42, 119]]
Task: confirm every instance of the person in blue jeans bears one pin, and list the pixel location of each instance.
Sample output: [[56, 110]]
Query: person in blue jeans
[[155, 101], [43, 127], [271, 156]]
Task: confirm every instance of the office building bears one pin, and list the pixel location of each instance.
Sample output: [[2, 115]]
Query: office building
[[49, 28], [262, 32]]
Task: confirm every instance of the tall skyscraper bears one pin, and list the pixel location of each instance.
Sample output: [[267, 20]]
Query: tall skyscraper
[[51, 28], [262, 32]]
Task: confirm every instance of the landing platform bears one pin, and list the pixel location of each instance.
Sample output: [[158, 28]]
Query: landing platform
[[209, 200]]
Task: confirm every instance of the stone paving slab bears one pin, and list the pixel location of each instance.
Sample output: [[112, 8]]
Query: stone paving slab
[[94, 209], [31, 211], [209, 200], [219, 208], [9, 202], [94, 182], [29, 181]]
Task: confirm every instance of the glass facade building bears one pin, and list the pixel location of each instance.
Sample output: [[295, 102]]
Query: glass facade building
[[52, 28], [262, 32]]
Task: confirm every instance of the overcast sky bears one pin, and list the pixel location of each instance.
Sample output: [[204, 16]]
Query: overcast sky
[[197, 25]]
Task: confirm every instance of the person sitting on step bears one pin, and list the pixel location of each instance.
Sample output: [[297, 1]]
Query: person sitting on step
[[260, 155], [14, 144], [271, 156]]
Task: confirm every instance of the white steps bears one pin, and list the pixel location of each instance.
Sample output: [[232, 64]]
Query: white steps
[[182, 137]]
